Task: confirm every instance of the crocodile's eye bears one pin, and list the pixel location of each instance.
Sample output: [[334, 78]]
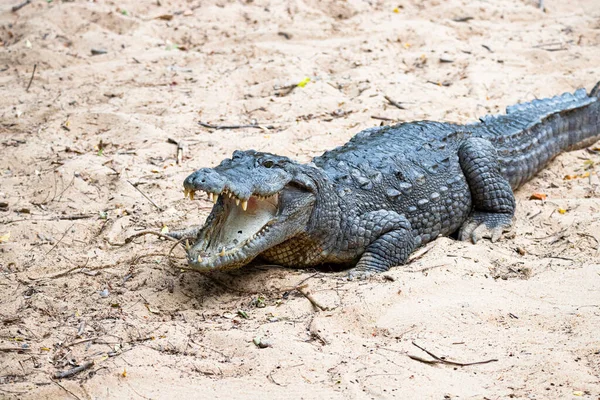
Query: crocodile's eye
[[267, 163]]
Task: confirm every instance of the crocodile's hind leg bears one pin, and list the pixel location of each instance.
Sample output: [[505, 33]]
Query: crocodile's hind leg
[[492, 196], [388, 239]]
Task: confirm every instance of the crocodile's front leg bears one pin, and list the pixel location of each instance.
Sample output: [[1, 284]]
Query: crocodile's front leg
[[387, 239], [492, 196]]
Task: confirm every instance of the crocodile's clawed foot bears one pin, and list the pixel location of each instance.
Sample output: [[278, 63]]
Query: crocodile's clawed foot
[[485, 225], [360, 274], [368, 266]]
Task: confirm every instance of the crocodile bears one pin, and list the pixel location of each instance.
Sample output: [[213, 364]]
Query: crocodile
[[371, 202]]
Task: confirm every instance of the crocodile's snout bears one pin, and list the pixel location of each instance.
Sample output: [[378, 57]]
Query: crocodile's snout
[[205, 179], [244, 175], [214, 184]]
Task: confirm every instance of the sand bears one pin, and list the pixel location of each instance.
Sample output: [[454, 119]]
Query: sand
[[92, 129]]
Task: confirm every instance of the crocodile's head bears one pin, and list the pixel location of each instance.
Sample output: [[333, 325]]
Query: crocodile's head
[[260, 199]]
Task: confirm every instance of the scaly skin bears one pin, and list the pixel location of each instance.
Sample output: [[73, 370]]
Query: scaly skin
[[371, 202]]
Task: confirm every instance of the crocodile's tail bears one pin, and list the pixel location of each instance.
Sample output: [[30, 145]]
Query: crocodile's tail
[[596, 91], [531, 134]]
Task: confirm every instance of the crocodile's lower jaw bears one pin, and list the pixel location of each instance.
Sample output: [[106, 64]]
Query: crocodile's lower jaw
[[231, 238]]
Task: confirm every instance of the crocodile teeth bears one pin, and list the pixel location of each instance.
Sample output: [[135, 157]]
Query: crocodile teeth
[[214, 198], [244, 205], [237, 202], [191, 194], [229, 193], [222, 252], [210, 196]]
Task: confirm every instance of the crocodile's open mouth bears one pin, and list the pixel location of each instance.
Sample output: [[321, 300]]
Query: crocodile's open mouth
[[260, 201], [235, 231]]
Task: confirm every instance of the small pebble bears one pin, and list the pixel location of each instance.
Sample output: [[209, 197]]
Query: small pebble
[[262, 342]]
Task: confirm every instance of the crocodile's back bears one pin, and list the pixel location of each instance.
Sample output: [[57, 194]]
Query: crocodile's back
[[410, 168], [384, 148], [392, 156]]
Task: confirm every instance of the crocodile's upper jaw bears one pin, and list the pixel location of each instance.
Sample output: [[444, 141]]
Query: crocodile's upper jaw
[[237, 231]]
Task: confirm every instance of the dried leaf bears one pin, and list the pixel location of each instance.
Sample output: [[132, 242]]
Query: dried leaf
[[538, 196], [4, 238], [580, 176], [165, 17], [562, 211], [152, 309]]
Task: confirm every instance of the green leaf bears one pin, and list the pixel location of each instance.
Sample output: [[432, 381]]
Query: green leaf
[[303, 82]]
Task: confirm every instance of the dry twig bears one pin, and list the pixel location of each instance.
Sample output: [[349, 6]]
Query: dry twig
[[462, 19], [32, 74], [382, 118], [428, 268], [12, 349], [219, 127], [80, 268], [420, 253], [394, 103], [179, 149], [310, 298], [80, 341], [440, 360], [142, 233], [11, 319], [144, 194], [21, 5], [73, 371], [177, 242], [67, 390], [59, 240]]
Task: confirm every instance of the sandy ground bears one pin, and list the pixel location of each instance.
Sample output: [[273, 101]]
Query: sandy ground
[[93, 128]]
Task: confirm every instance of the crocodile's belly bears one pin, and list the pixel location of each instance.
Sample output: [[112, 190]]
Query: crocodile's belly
[[298, 252]]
